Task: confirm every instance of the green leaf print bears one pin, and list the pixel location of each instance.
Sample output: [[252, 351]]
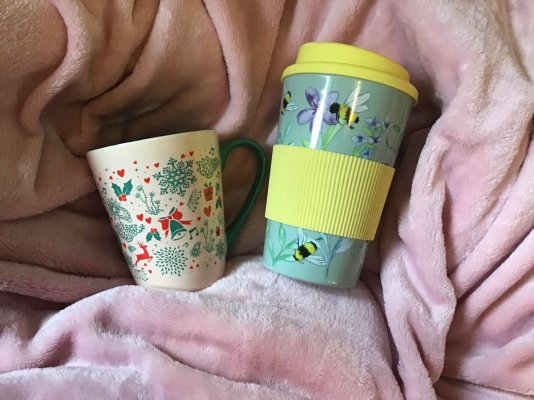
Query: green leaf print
[[271, 249], [281, 235], [116, 189], [127, 188], [287, 257], [330, 135], [153, 235], [285, 250]]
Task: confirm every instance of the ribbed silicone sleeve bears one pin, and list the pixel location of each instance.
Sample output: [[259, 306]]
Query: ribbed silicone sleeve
[[327, 192]]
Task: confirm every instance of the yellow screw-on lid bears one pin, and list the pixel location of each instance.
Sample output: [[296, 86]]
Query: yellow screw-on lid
[[346, 60]]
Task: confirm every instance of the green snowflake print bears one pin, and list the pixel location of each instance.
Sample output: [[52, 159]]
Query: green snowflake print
[[207, 166], [220, 249], [151, 205], [194, 199], [176, 177], [170, 260], [117, 211], [128, 232]]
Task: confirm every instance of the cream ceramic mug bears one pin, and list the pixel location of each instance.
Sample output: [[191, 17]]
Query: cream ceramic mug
[[165, 202]]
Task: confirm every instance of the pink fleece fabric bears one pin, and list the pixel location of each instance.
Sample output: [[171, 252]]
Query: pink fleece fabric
[[444, 308]]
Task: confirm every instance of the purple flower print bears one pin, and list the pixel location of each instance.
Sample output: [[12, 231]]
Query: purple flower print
[[367, 153], [314, 100], [374, 139], [373, 123], [387, 124], [359, 139]]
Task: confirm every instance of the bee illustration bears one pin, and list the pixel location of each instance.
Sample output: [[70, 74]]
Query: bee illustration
[[347, 112], [306, 249], [287, 104]]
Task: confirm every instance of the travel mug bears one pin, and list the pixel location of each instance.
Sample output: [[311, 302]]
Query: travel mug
[[342, 117]]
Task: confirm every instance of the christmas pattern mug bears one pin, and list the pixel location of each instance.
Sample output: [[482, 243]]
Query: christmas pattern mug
[[164, 198]]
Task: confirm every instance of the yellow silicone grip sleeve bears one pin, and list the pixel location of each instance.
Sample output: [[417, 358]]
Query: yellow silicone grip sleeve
[[327, 192]]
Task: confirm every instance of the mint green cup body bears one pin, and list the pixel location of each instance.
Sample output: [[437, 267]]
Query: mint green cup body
[[314, 115]]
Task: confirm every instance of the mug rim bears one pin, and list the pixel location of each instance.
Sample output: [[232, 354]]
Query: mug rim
[[148, 140]]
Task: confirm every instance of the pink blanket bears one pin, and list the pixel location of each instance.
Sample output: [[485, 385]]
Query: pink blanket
[[444, 309]]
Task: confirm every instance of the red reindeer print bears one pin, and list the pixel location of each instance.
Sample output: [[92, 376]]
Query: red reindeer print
[[144, 255]]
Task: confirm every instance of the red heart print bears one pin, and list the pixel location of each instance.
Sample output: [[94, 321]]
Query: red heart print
[[135, 162], [207, 211], [198, 218], [190, 267], [148, 166], [147, 180], [124, 245], [183, 156], [156, 165], [148, 220], [191, 153], [100, 178], [110, 178], [181, 203], [149, 271], [120, 172], [140, 217]]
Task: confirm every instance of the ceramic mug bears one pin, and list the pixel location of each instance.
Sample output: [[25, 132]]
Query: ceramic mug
[[164, 197], [342, 118]]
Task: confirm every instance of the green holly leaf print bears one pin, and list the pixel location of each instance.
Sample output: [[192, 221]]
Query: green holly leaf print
[[153, 235], [116, 189], [127, 188]]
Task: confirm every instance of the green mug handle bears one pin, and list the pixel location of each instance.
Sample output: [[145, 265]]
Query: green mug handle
[[225, 149]]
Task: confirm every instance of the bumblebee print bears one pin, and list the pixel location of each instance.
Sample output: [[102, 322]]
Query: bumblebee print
[[287, 104], [306, 249], [347, 113]]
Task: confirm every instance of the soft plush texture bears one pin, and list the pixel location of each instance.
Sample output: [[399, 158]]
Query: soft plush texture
[[444, 308]]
